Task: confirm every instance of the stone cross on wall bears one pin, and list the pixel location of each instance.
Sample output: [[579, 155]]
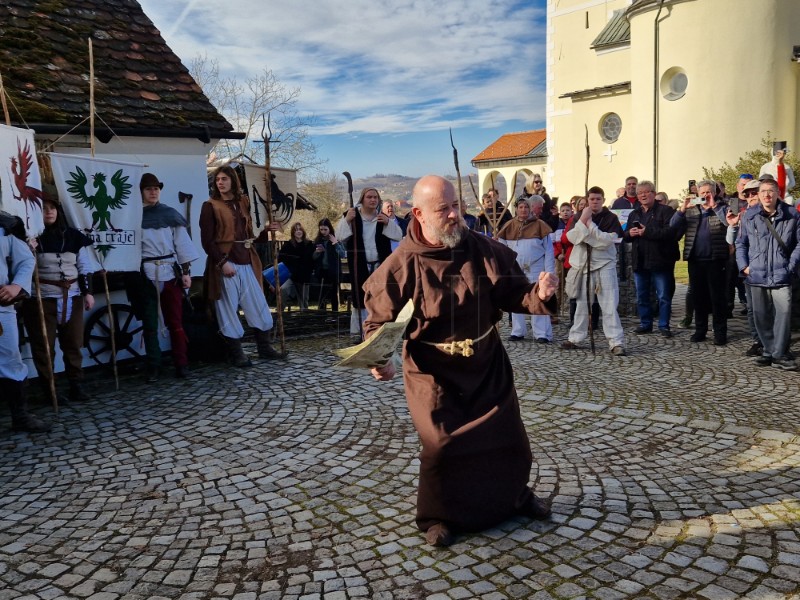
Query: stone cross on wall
[[610, 153]]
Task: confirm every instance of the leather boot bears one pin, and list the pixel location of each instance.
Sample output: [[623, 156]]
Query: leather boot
[[21, 419], [265, 349], [76, 392], [236, 355]]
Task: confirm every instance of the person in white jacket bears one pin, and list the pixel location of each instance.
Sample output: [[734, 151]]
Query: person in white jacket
[[531, 238], [595, 235], [782, 173]]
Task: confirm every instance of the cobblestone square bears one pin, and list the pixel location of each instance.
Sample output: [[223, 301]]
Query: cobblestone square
[[673, 472]]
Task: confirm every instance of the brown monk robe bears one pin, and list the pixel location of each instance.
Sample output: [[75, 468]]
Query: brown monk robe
[[476, 458]]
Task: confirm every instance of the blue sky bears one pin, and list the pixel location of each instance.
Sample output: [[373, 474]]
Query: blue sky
[[384, 79]]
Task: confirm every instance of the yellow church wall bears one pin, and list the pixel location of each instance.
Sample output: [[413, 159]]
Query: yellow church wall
[[570, 172], [738, 89], [573, 66]]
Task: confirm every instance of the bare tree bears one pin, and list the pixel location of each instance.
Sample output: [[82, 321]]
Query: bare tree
[[243, 104], [327, 192]]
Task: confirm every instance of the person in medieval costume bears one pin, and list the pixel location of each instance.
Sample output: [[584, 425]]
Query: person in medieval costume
[[65, 265], [367, 234], [233, 275], [476, 457], [16, 271], [529, 236], [156, 292]]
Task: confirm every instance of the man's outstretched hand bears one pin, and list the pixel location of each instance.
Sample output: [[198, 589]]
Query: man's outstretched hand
[[384, 373], [548, 284]]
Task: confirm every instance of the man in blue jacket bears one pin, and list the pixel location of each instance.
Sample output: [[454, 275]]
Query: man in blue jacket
[[768, 253]]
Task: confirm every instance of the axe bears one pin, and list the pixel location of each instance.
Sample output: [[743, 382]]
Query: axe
[[187, 198]]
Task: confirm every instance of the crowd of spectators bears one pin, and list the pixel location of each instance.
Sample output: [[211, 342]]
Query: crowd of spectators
[[745, 245]]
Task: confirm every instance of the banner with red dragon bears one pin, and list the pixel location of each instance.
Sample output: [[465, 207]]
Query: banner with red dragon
[[20, 182]]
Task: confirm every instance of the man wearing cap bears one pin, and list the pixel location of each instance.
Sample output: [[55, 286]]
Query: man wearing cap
[[768, 254], [750, 194], [737, 204], [156, 292]]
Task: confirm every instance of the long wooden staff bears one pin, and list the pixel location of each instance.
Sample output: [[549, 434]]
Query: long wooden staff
[[354, 287], [268, 187], [3, 102], [39, 303], [588, 247], [496, 222], [458, 173], [112, 325], [472, 185]]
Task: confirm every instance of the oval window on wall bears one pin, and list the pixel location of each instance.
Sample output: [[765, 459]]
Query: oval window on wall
[[674, 83], [610, 127]]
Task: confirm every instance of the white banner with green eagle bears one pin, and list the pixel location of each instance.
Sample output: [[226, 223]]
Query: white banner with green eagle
[[20, 184], [101, 198]]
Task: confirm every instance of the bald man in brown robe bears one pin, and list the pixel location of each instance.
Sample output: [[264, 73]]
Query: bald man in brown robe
[[476, 458]]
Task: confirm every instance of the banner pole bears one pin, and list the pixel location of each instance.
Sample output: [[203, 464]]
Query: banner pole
[[112, 325], [40, 303], [3, 101]]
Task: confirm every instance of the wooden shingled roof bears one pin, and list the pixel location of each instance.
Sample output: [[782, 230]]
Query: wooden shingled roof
[[512, 145], [141, 86]]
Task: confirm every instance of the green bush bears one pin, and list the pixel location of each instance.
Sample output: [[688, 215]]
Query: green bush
[[751, 162]]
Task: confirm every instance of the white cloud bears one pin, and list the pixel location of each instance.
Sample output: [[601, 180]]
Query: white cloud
[[376, 66]]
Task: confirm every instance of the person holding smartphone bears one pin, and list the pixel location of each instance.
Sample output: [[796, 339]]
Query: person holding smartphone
[[328, 255], [653, 256], [706, 251], [781, 172]]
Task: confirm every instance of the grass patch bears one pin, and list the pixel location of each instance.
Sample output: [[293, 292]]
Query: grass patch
[[681, 267]]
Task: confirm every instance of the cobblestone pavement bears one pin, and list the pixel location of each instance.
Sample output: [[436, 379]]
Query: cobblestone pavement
[[673, 472]]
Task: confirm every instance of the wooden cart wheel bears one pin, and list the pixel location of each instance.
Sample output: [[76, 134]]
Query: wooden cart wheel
[[97, 333]]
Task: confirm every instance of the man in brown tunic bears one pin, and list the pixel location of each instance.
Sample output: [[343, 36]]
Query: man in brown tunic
[[476, 458]]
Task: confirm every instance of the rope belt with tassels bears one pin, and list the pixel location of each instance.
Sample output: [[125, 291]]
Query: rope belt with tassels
[[459, 348]]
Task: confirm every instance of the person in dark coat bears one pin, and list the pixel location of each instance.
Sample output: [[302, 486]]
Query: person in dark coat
[[328, 255], [298, 255], [706, 251], [476, 457], [654, 252]]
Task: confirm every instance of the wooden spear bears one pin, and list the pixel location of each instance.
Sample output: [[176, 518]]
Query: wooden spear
[[267, 136], [458, 173], [589, 300], [354, 287], [112, 324]]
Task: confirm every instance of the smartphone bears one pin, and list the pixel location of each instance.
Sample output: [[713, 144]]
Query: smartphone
[[636, 225], [692, 183]]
